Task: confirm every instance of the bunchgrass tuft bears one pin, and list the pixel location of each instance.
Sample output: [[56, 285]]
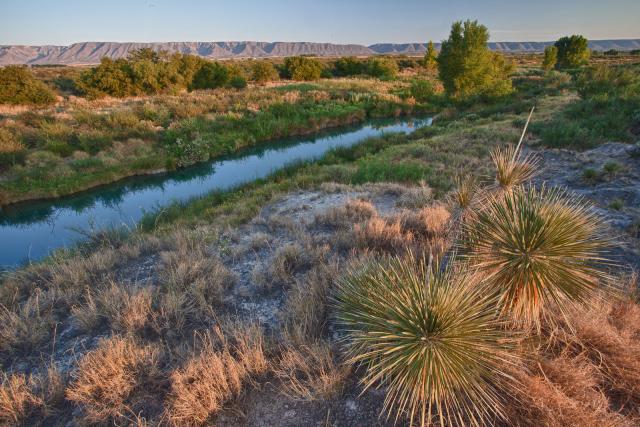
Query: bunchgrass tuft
[[430, 335], [537, 248]]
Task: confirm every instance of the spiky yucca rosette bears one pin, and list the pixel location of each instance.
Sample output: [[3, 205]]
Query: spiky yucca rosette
[[430, 335], [537, 249]]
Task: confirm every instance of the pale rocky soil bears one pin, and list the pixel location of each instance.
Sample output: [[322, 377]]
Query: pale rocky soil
[[565, 168]]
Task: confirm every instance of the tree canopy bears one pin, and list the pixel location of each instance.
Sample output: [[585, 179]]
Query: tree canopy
[[468, 68], [573, 51], [302, 68], [19, 86]]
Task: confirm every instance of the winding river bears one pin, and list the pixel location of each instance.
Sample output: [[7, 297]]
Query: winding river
[[31, 230]]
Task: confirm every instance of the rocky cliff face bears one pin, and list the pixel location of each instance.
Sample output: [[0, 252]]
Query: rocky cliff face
[[91, 52]]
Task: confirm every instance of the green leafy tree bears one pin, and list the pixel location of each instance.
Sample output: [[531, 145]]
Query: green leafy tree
[[211, 75], [19, 86], [114, 78], [550, 58], [383, 68], [302, 68], [263, 72], [573, 51], [348, 66], [431, 57], [466, 66]]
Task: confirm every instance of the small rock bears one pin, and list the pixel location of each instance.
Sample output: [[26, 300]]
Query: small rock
[[289, 414]]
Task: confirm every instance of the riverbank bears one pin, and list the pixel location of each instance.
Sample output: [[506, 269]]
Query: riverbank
[[33, 229], [84, 144]]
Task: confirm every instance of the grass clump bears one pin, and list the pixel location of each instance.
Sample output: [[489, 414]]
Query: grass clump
[[115, 380], [430, 335], [216, 374]]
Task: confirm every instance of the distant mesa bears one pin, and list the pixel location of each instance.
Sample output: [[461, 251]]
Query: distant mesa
[[91, 52]]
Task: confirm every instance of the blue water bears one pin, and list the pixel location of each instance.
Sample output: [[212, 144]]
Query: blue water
[[31, 230]]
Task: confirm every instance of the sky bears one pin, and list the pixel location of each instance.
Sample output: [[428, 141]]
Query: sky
[[62, 22]]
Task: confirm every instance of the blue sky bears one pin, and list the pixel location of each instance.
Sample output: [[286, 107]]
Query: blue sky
[[336, 21]]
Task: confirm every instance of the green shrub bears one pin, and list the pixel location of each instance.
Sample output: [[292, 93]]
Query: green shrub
[[431, 56], [608, 111], [143, 72], [111, 78], [573, 51], [188, 151], [467, 67], [263, 71], [550, 58], [210, 76], [19, 86], [348, 66], [421, 90], [238, 82], [302, 68], [590, 175], [616, 204], [382, 68]]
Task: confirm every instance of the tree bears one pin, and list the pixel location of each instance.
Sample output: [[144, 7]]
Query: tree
[[383, 68], [431, 57], [210, 76], [302, 68], [468, 68], [550, 58], [573, 51], [348, 66], [19, 86], [263, 72], [111, 77]]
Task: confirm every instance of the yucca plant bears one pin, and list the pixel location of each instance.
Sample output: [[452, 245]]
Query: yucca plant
[[513, 169], [536, 249], [430, 335], [465, 191]]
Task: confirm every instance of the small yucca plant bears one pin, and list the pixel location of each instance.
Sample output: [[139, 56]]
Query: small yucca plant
[[431, 336], [465, 191], [513, 169], [537, 248]]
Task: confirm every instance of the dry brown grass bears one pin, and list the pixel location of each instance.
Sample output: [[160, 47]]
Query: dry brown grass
[[586, 371], [286, 261], [115, 380], [310, 371], [216, 375], [193, 280], [306, 308], [125, 308], [430, 222], [25, 327], [353, 212], [18, 402], [384, 235]]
